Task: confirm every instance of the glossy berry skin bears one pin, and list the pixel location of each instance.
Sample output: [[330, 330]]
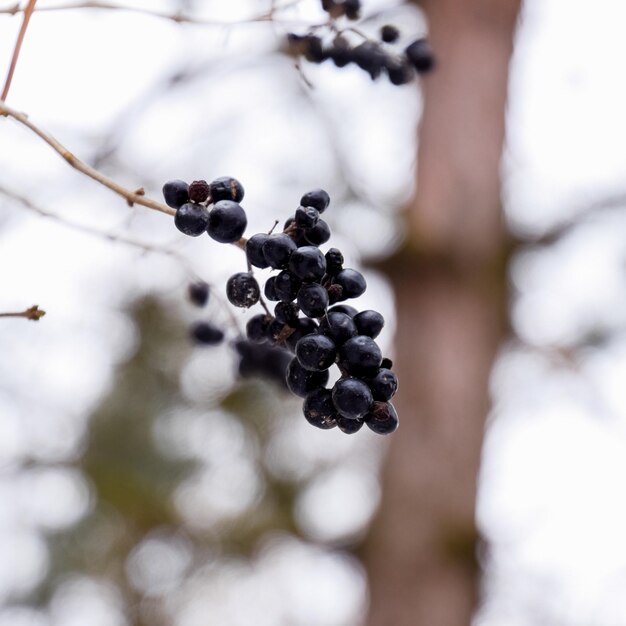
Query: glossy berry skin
[[206, 334], [382, 418], [286, 286], [254, 250], [317, 198], [343, 308], [287, 313], [270, 289], [352, 398], [360, 356], [421, 56], [308, 264], [383, 385], [257, 327], [301, 381], [306, 216], [389, 33], [338, 326], [199, 191], [319, 410], [242, 290], [334, 261], [176, 193], [198, 293], [316, 352], [226, 188], [191, 219], [348, 426], [369, 323], [313, 300], [227, 222], [278, 249], [304, 326], [352, 282], [318, 234]]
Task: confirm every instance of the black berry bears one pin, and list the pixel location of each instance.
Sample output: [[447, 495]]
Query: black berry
[[360, 356], [318, 234], [338, 326], [352, 283], [243, 290], [352, 398], [226, 188], [191, 219], [278, 249], [270, 289], [306, 216], [369, 323], [313, 300], [287, 313], [384, 385], [317, 198], [206, 333], [176, 193], [198, 292], [254, 250], [382, 418], [334, 261], [389, 33], [308, 264], [370, 57], [301, 381], [421, 56], [257, 327], [348, 426], [286, 286], [319, 410], [227, 222], [316, 352]]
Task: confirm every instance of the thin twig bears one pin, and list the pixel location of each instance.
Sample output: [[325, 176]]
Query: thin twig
[[33, 313], [28, 11]]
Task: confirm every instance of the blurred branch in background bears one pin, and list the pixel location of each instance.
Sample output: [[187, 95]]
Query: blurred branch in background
[[33, 313], [28, 11]]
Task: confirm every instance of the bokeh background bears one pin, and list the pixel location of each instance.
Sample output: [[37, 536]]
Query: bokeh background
[[143, 483]]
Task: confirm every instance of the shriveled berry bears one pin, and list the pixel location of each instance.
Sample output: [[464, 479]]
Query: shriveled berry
[[348, 426], [334, 261], [287, 313], [313, 300], [389, 33], [316, 352], [360, 356], [176, 193], [306, 216], [254, 250], [382, 418], [206, 333], [199, 191], [286, 286], [198, 292], [319, 410], [352, 398], [227, 221], [242, 290], [277, 250], [383, 385], [318, 234], [420, 55], [308, 264], [369, 323], [301, 381], [191, 219], [226, 188], [318, 198], [352, 282], [338, 326], [257, 327], [270, 289]]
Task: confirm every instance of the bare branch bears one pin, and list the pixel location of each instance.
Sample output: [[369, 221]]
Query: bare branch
[[28, 11], [34, 313]]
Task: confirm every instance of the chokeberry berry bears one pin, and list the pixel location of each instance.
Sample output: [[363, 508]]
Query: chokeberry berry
[[318, 234], [352, 398], [270, 289], [306, 216], [226, 188], [257, 327], [343, 308], [301, 381], [198, 292], [254, 250], [227, 222], [420, 55], [319, 410], [370, 57], [176, 193], [316, 352], [199, 191], [369, 323], [352, 282], [304, 326], [383, 385], [286, 286], [191, 219], [338, 326], [308, 264], [287, 313], [334, 261], [278, 249], [348, 426], [360, 356], [382, 418], [313, 300], [318, 199], [206, 333], [400, 72], [242, 290], [340, 53], [389, 33]]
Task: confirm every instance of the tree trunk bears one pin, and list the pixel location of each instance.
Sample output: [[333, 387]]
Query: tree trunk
[[451, 294]]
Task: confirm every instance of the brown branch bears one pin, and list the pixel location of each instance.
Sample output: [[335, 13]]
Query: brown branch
[[132, 197], [28, 11], [34, 313]]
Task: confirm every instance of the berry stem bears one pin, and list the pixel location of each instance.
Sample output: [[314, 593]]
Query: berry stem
[[33, 313]]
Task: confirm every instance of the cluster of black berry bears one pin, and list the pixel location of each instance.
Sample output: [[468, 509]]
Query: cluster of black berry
[[307, 320], [374, 57]]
